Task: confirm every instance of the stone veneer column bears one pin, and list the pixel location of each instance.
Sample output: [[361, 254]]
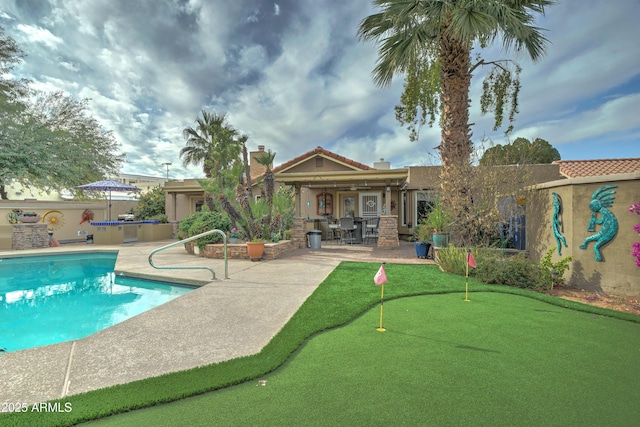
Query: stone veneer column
[[388, 232], [29, 236], [299, 232]]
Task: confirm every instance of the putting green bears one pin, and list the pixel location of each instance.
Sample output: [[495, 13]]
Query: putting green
[[499, 359]]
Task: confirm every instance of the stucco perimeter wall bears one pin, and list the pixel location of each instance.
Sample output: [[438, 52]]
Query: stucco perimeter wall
[[617, 274], [70, 228]]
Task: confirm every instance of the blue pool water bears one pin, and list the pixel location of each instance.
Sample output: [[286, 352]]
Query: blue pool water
[[51, 299]]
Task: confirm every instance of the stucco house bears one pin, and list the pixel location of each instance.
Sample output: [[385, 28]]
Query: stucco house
[[328, 185]]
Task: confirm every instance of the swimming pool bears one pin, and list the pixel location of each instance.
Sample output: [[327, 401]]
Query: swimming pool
[[56, 298]]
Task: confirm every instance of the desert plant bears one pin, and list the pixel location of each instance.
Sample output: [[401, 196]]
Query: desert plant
[[438, 220], [553, 272], [260, 218]]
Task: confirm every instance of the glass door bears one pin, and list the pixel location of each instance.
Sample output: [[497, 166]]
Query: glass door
[[348, 206]]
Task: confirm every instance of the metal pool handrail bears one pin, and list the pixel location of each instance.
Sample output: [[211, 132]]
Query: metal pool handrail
[[188, 239]]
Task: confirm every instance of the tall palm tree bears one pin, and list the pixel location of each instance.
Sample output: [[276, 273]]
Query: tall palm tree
[[266, 160], [430, 42], [213, 143]]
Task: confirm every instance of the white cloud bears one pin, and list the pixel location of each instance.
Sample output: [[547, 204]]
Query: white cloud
[[302, 79], [40, 35]]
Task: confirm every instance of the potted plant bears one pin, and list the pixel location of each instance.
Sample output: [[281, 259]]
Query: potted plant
[[255, 249], [422, 236], [233, 235], [438, 221]]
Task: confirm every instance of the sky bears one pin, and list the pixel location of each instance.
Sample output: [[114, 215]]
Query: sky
[[292, 75]]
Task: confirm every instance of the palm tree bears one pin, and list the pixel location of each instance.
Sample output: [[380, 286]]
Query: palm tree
[[266, 160], [430, 42], [213, 143]]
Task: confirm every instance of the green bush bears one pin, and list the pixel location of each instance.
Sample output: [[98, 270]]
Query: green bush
[[495, 268], [160, 217], [516, 271], [150, 205], [453, 259], [204, 220], [558, 269]]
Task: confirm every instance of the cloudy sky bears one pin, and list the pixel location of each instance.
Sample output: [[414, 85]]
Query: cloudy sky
[[292, 75]]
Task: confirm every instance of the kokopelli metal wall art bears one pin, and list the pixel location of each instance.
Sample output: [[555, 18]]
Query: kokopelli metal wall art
[[556, 222], [601, 200]]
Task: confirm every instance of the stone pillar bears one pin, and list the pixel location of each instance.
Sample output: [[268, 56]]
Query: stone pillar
[[388, 232], [299, 232], [29, 236]]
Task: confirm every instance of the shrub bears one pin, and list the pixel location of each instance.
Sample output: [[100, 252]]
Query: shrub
[[495, 268], [150, 205], [547, 267], [516, 271], [453, 259], [160, 217], [204, 220]]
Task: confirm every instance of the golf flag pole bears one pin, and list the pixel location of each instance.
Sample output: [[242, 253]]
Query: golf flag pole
[[380, 279], [470, 263]]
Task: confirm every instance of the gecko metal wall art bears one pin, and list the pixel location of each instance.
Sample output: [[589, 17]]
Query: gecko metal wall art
[[601, 200], [556, 222]]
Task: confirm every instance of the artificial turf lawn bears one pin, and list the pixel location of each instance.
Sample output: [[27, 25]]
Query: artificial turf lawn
[[346, 293], [497, 360]]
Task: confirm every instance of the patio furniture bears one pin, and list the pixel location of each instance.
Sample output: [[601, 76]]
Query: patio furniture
[[358, 233], [347, 229], [371, 229], [334, 232]]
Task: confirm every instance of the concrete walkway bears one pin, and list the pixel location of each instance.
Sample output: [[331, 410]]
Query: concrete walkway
[[224, 319]]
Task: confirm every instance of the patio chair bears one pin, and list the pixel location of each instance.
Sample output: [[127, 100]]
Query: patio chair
[[347, 227], [372, 229], [334, 232]]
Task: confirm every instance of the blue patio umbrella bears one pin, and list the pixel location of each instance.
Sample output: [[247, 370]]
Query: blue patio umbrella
[[108, 185]]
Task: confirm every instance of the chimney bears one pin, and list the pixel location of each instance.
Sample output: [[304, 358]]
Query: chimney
[[256, 168], [382, 165]]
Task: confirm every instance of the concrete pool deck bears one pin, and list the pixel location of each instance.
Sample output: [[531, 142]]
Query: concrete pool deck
[[221, 320]]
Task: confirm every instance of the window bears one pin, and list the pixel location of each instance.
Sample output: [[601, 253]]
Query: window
[[319, 162], [404, 209], [424, 204], [324, 204], [349, 206]]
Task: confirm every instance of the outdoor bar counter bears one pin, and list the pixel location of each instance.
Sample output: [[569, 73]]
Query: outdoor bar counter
[[117, 232]]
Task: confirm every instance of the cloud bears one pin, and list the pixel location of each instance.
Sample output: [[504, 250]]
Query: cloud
[[292, 75], [40, 35]]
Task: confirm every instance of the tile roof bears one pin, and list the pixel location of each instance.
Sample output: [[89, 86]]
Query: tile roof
[[327, 153], [587, 168]]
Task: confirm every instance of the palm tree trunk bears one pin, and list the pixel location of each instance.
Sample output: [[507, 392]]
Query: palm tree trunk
[[247, 170], [455, 147]]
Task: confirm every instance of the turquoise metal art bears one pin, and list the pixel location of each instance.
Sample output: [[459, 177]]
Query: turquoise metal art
[[601, 200], [557, 223]]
